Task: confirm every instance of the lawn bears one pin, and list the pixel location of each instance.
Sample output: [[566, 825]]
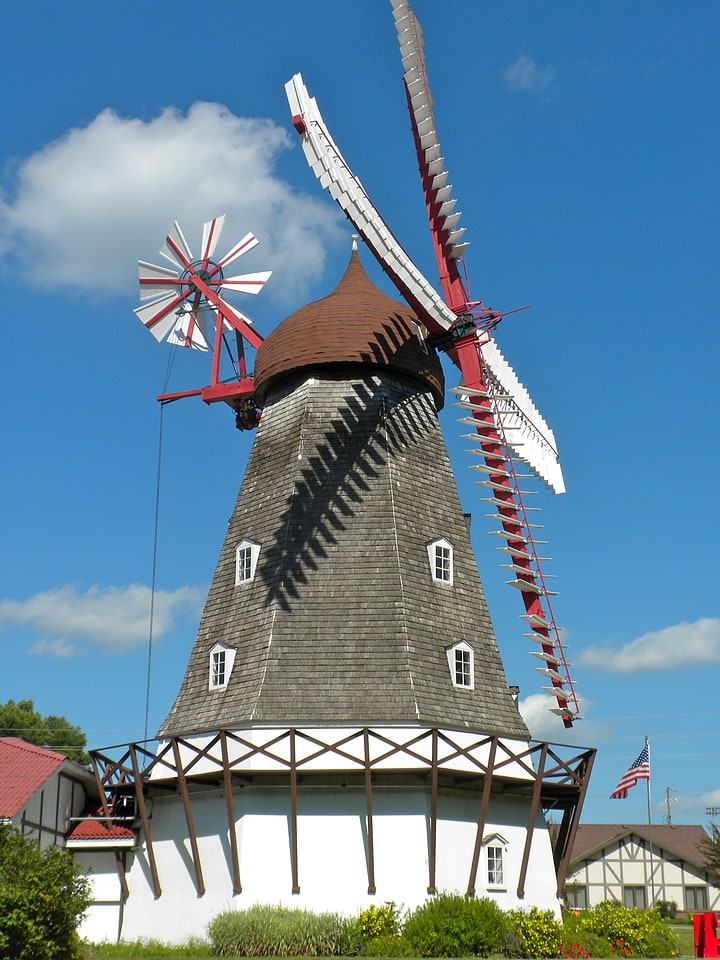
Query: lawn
[[684, 933]]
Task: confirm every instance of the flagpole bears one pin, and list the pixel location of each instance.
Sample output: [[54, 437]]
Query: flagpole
[[649, 816]]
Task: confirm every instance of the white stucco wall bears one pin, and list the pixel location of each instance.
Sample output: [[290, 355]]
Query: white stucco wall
[[332, 856]]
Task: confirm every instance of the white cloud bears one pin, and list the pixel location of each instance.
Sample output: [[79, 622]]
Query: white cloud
[[535, 711], [544, 725], [83, 209], [525, 76], [681, 645], [110, 619], [689, 804]]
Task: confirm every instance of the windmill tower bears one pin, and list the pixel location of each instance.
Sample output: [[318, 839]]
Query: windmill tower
[[344, 733]]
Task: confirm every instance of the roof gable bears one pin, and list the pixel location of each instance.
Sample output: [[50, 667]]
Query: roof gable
[[682, 841], [24, 768]]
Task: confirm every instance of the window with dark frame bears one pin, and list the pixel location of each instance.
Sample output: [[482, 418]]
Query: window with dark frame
[[696, 898], [577, 895], [634, 897]]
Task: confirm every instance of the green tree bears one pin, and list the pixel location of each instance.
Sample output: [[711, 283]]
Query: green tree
[[56, 733], [42, 898], [710, 848]]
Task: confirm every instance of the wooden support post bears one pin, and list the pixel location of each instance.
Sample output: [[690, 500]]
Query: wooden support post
[[120, 867], [534, 807], [145, 820], [232, 833], [482, 817], [369, 805], [119, 864], [432, 858], [293, 815], [182, 787], [567, 838]]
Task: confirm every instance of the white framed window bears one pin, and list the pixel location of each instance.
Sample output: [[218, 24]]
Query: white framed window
[[222, 658], [461, 661], [495, 859], [440, 555], [246, 558], [495, 867]]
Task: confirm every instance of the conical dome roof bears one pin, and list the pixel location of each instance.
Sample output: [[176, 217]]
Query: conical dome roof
[[355, 325]]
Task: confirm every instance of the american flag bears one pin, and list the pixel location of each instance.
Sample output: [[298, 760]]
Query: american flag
[[639, 770]]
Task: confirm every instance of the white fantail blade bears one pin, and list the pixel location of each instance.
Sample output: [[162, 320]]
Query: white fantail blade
[[527, 433], [329, 166], [553, 674], [159, 315], [176, 248], [247, 243], [155, 280], [189, 330], [211, 234], [247, 282]]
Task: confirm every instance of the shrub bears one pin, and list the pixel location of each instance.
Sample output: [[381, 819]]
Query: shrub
[[388, 945], [378, 921], [42, 898], [538, 932], [667, 909], [263, 931], [375, 932], [613, 930], [451, 925], [194, 947]]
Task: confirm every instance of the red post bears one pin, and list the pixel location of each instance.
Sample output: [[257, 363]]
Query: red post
[[705, 937]]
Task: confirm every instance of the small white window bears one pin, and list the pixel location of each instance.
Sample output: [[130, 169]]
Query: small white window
[[246, 558], [221, 664], [495, 851], [440, 555], [461, 661], [496, 876], [218, 669]]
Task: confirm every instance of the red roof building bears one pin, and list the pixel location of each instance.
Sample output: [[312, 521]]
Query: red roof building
[[41, 790]]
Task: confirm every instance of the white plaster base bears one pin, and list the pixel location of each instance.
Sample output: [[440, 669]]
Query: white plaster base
[[332, 857]]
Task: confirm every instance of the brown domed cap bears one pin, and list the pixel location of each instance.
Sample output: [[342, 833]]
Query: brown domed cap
[[355, 325]]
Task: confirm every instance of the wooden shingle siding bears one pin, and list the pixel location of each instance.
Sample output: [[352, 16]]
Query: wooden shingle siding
[[347, 483]]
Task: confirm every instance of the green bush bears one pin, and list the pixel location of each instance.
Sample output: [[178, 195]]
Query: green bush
[[42, 898], [388, 945], [375, 932], [378, 921], [667, 909], [538, 933], [264, 931], [613, 930], [451, 925], [194, 947]]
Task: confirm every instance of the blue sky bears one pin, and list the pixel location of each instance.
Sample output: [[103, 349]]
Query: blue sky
[[582, 141]]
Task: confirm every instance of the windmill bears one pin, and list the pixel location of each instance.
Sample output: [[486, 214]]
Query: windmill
[[344, 729]]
